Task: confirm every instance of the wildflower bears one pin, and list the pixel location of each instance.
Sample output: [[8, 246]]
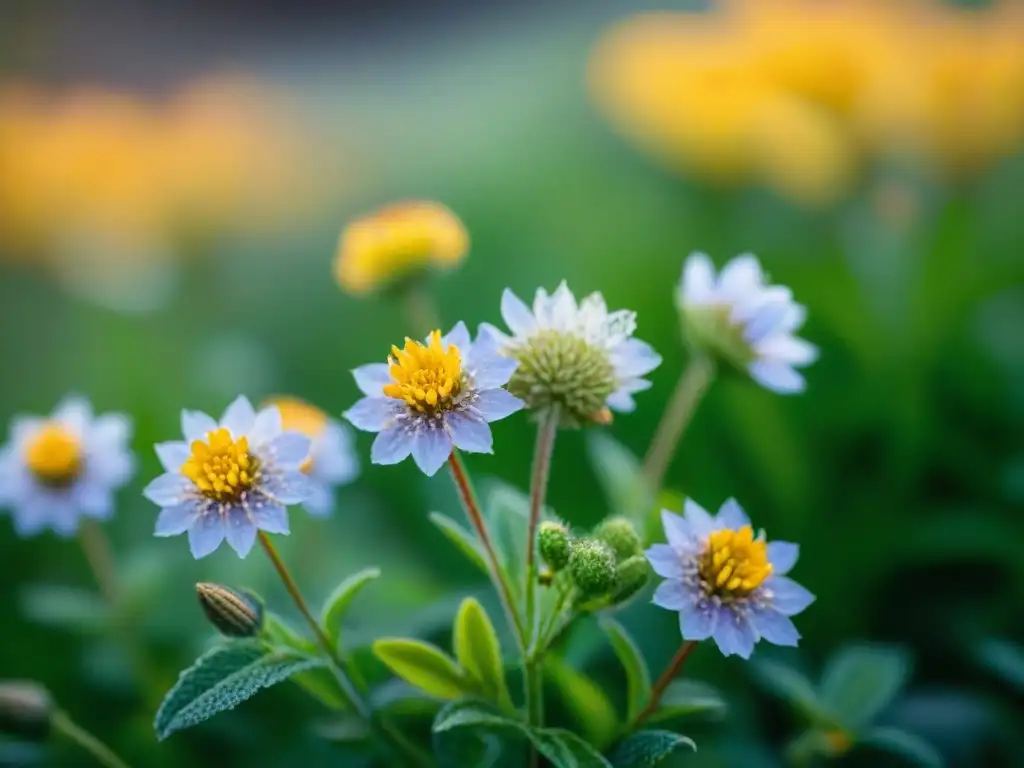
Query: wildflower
[[741, 321], [332, 460], [579, 357], [229, 480], [396, 242], [433, 396], [724, 583], [57, 469], [233, 614]]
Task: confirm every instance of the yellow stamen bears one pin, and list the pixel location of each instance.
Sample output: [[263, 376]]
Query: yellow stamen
[[733, 563], [300, 416], [428, 377], [54, 455], [221, 467]]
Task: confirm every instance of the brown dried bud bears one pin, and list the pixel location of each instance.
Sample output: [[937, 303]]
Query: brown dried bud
[[235, 614]]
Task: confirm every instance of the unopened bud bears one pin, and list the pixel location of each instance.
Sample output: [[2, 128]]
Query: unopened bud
[[546, 577], [592, 566], [235, 614], [25, 709], [619, 534], [632, 575], [553, 543], [603, 417]]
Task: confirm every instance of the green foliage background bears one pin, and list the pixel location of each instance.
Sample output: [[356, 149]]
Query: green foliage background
[[900, 472]]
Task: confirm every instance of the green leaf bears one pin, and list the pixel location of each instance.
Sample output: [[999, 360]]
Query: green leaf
[[63, 607], [463, 540], [619, 474], [424, 666], [646, 749], [335, 606], [1005, 659], [907, 745], [687, 698], [638, 677], [222, 679], [479, 653], [562, 748], [345, 730], [590, 706], [794, 687], [861, 680], [507, 510], [321, 684]]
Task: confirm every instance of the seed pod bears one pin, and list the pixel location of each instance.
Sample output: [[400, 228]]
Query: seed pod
[[25, 709], [234, 614]]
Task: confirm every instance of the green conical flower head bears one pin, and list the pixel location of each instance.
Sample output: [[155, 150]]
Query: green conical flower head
[[592, 567], [619, 534], [631, 576], [553, 543]]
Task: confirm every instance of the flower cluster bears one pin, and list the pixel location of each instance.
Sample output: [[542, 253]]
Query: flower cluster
[[798, 94]]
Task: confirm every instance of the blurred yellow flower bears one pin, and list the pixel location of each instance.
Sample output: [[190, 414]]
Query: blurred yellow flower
[[396, 242], [798, 94]]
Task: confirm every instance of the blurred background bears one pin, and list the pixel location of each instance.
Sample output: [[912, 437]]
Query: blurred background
[[173, 180]]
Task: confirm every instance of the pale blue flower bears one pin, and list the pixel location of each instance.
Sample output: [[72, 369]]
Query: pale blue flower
[[230, 479], [739, 317], [57, 469], [577, 356], [726, 584], [434, 397]]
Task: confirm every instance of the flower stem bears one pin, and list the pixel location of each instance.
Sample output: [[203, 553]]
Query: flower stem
[[533, 678], [420, 309], [337, 665], [103, 754], [692, 385], [472, 506], [658, 689]]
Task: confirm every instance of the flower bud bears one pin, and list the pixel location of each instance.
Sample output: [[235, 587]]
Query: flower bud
[[25, 709], [592, 566], [619, 534], [234, 614], [553, 543], [630, 577]]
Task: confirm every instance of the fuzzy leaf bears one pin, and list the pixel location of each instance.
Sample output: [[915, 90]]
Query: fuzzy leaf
[[479, 653], [687, 698], [907, 745], [590, 706], [507, 510], [335, 606], [638, 677], [646, 749], [461, 538], [794, 687], [424, 666], [222, 679], [562, 748], [861, 680]]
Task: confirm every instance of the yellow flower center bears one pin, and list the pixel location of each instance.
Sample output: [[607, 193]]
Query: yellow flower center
[[733, 563], [299, 416], [221, 467], [54, 455], [427, 377]]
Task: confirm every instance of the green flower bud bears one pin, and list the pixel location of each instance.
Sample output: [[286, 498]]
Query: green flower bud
[[592, 567], [632, 575], [553, 543], [234, 614], [619, 534], [563, 369], [25, 709]]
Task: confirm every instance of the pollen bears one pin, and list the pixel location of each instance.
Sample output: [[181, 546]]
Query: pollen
[[54, 455], [221, 467], [733, 563], [427, 377]]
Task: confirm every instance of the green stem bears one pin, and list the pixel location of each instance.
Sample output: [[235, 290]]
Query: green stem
[[667, 676], [692, 385], [420, 309], [100, 752], [498, 576]]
